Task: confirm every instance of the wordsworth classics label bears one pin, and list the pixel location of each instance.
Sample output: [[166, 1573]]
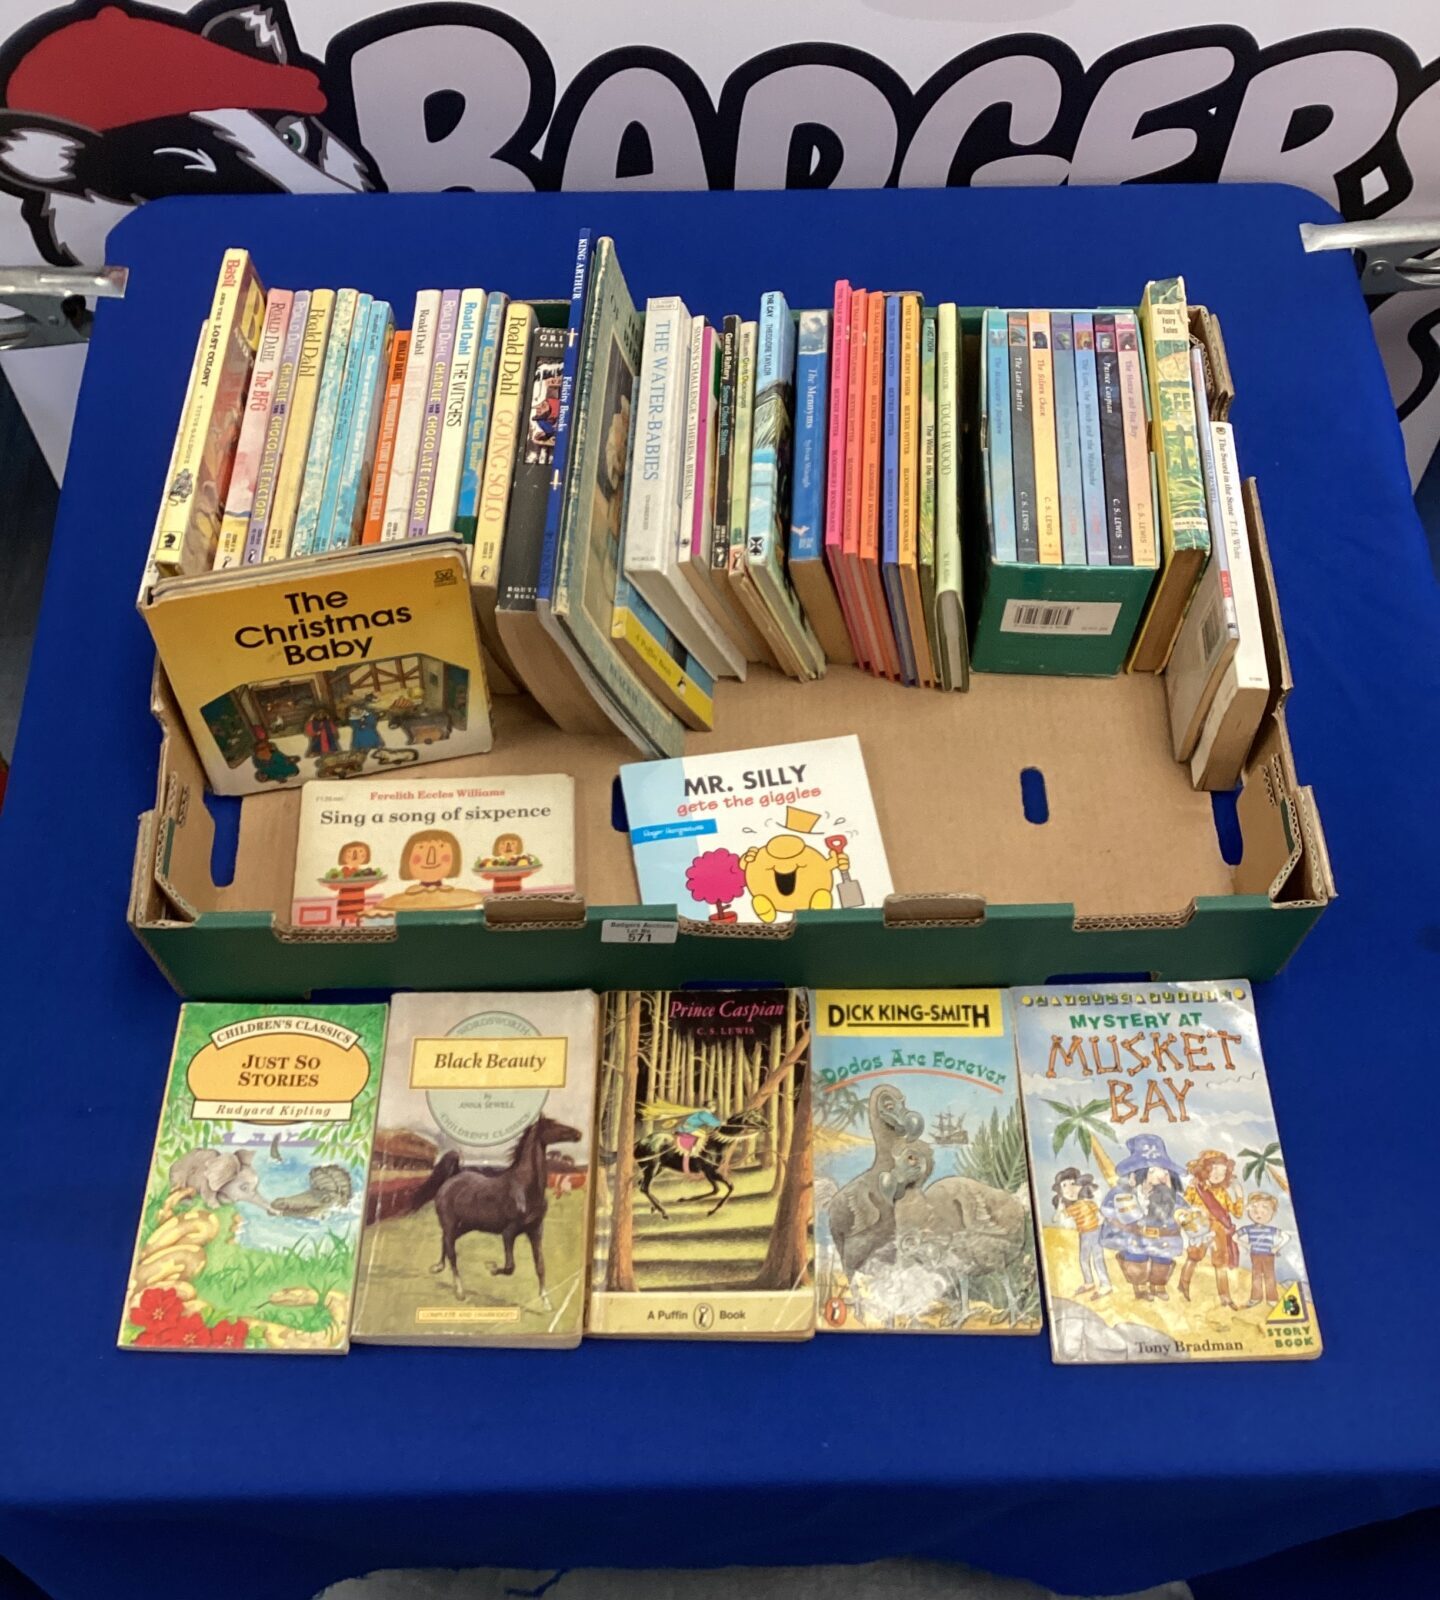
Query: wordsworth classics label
[[1087, 618]]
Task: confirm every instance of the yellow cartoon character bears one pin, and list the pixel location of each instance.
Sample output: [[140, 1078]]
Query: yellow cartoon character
[[788, 874]]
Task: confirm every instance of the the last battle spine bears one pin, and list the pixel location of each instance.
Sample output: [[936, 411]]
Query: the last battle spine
[[1022, 440]]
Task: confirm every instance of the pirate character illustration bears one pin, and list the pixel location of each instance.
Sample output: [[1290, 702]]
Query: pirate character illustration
[[1140, 1212], [1073, 1198], [1212, 1192], [787, 874], [1265, 1241]]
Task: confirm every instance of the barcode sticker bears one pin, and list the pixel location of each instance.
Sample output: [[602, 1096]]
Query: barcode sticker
[[1095, 618]]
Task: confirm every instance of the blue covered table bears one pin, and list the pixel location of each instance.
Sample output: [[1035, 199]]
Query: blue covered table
[[127, 1474]]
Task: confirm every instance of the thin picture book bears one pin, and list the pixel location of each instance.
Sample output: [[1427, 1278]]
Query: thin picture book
[[702, 1167], [757, 835], [922, 1192], [1167, 1221], [250, 1226], [477, 1214]]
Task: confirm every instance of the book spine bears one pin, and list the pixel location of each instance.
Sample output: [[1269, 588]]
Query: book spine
[[925, 555], [1042, 416], [1214, 503], [327, 404], [455, 420], [947, 476], [385, 442], [872, 466], [1000, 475], [295, 458], [478, 430], [406, 455], [276, 431], [359, 462], [423, 495], [685, 521], [664, 361], [1167, 347], [808, 498], [1022, 439], [259, 400], [855, 391], [837, 430], [152, 571], [1251, 668], [909, 544], [728, 357], [744, 439], [1112, 443], [890, 513], [661, 662], [1092, 465], [327, 536], [1067, 440], [773, 441], [705, 457], [569, 376], [1144, 545], [504, 443], [517, 587]]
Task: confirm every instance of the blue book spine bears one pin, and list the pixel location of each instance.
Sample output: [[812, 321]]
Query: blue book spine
[[812, 379], [344, 426], [997, 411], [1092, 464], [360, 452], [1067, 440], [550, 548], [482, 398], [775, 351], [890, 490]]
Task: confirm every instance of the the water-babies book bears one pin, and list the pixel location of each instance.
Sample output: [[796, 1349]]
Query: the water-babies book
[[1168, 1227], [757, 835], [251, 1222]]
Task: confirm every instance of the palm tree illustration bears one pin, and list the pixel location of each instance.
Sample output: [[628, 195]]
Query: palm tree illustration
[[1081, 1125], [1265, 1164]]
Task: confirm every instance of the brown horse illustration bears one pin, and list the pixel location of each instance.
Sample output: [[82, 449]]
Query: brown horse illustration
[[506, 1201]]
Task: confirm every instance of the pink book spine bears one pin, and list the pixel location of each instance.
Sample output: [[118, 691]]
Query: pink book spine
[[704, 449], [835, 469], [259, 398]]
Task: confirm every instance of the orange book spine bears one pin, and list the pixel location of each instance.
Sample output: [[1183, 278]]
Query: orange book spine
[[874, 591], [385, 445], [865, 646]]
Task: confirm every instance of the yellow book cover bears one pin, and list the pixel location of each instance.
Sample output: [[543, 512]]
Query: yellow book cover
[[187, 527], [1042, 416], [660, 671], [364, 660], [151, 570], [702, 1177], [297, 434], [909, 542]]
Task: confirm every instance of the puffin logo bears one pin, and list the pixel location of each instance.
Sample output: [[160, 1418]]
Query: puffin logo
[[104, 106]]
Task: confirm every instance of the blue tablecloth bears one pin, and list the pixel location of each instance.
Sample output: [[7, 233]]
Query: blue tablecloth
[[127, 1474]]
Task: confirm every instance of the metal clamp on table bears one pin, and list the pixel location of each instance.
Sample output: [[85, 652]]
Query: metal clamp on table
[[50, 303], [1391, 256]]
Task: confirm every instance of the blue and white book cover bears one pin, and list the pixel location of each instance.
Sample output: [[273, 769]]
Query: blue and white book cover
[[305, 540], [890, 490], [757, 835], [812, 378], [773, 430], [359, 458], [482, 397], [997, 411], [1092, 465], [1067, 440], [344, 424]]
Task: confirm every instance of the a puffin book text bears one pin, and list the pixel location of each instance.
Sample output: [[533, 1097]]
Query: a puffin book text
[[922, 1193], [477, 1217], [1168, 1227], [251, 1223], [702, 1176]]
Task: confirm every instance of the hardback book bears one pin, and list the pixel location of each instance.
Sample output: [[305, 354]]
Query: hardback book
[[658, 658], [259, 398], [925, 522], [477, 1214], [1000, 478], [305, 539], [433, 422], [357, 460], [856, 378], [870, 548], [1143, 542], [543, 668], [477, 432], [1067, 439], [347, 408], [413, 396], [583, 602], [757, 835], [1042, 417], [385, 440], [890, 493], [377, 643], [370, 850], [837, 430], [736, 619], [951, 635], [455, 418], [1112, 443], [1022, 439], [574, 324], [1168, 1226], [1092, 459], [764, 626], [909, 524], [187, 527], [702, 1171], [1184, 529], [1243, 693], [809, 570], [294, 459], [151, 571], [277, 428], [922, 1193], [250, 1228]]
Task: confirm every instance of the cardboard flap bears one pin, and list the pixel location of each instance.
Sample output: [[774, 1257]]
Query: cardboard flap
[[1277, 657], [1320, 880], [535, 911], [1269, 819], [183, 831], [1220, 385], [930, 910]]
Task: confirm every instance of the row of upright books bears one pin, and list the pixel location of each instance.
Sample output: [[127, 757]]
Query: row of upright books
[[521, 1169]]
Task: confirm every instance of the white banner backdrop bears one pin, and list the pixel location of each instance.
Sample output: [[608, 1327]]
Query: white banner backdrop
[[105, 105]]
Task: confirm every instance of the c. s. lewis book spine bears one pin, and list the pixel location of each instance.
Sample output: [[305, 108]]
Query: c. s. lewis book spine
[[1067, 439], [433, 421], [276, 431], [259, 401], [385, 443], [1092, 465], [294, 460], [455, 419], [1143, 543], [1000, 462], [1022, 439], [1042, 416], [478, 429], [560, 464], [345, 414], [1112, 442], [322, 432], [666, 1140], [406, 454]]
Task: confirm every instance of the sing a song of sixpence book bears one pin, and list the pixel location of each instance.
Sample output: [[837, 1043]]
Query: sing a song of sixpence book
[[250, 1226], [477, 1217], [1166, 1217], [702, 1167], [757, 835], [368, 852]]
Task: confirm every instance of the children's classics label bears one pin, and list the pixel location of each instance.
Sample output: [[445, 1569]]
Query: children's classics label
[[278, 1069]]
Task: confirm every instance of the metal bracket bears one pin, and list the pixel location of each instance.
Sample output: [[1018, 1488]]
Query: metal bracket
[[1391, 256], [50, 303]]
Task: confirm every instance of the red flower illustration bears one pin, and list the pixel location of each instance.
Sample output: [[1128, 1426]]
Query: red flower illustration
[[161, 1316], [229, 1335], [156, 1309]]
